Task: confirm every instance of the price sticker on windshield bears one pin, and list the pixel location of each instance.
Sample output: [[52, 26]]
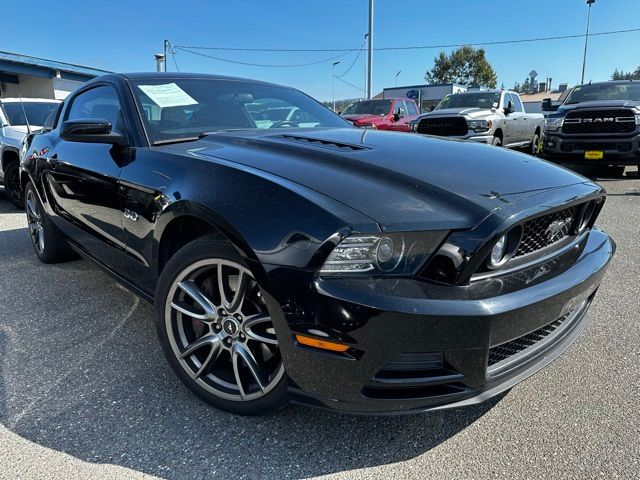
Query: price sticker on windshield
[[167, 95]]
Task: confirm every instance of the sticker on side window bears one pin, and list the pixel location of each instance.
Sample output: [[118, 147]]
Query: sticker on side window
[[167, 95]]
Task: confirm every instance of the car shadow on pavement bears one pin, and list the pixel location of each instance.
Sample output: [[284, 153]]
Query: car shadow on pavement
[[81, 372]]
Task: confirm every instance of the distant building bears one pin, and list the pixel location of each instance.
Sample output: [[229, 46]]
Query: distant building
[[427, 96], [27, 76]]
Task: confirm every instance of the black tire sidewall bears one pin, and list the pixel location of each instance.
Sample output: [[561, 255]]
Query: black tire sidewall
[[12, 170], [55, 250], [202, 249], [496, 142]]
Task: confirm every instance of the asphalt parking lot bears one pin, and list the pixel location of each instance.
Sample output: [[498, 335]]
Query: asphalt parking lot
[[86, 393]]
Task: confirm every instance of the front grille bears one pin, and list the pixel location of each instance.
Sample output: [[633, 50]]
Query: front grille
[[444, 126], [540, 232], [600, 121], [504, 351]]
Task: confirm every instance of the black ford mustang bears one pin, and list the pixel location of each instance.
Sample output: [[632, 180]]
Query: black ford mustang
[[291, 256]]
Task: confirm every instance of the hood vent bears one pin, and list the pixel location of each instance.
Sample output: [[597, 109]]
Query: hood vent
[[321, 143]]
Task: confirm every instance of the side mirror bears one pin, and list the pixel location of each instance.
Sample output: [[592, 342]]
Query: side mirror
[[508, 109], [548, 106], [90, 130], [339, 112], [397, 115]]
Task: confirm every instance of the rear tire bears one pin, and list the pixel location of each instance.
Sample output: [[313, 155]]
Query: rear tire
[[12, 185], [535, 145], [224, 350], [47, 241]]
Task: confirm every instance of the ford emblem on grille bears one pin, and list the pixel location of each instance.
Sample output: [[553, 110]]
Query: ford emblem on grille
[[556, 228]]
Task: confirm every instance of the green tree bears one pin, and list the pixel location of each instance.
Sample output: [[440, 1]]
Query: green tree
[[466, 65], [622, 75]]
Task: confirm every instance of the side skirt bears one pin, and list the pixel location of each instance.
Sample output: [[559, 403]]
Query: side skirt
[[116, 276]]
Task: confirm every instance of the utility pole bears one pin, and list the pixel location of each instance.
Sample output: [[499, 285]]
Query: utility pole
[[333, 78], [364, 90], [586, 39], [370, 52], [399, 72]]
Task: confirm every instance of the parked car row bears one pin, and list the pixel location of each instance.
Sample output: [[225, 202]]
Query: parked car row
[[18, 117], [291, 256]]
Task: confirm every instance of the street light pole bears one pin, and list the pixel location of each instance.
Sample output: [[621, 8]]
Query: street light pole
[[370, 51], [364, 90], [586, 39], [399, 72], [333, 78]]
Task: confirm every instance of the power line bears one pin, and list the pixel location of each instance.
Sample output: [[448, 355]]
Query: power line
[[352, 63], [411, 47], [350, 84], [172, 50], [262, 64]]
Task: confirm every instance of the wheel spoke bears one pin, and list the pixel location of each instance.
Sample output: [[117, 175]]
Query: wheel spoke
[[207, 340], [235, 303], [191, 289], [216, 349], [242, 353], [255, 320]]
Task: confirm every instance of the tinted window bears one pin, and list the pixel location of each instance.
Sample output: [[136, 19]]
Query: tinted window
[[368, 107], [98, 103], [506, 100], [469, 100], [52, 119], [37, 112], [175, 108], [400, 108], [605, 91], [517, 104], [411, 109]]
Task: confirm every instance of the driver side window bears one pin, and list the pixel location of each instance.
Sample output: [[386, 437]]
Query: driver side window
[[102, 103]]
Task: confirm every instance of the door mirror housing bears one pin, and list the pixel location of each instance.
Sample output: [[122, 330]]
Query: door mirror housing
[[90, 130], [549, 106]]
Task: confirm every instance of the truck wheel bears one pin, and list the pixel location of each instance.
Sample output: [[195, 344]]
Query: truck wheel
[[497, 142], [609, 170], [535, 145], [12, 185]]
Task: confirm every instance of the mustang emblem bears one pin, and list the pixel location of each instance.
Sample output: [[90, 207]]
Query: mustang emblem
[[556, 228]]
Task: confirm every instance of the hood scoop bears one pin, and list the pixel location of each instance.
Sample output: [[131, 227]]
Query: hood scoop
[[321, 143]]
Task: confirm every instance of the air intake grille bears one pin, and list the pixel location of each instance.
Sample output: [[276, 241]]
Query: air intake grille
[[322, 143], [502, 352], [601, 121], [546, 230], [443, 126]]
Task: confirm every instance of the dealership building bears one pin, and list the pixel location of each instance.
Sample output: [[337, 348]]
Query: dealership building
[[425, 95], [33, 77]]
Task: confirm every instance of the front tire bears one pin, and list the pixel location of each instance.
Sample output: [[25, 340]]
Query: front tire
[[535, 145], [497, 142], [216, 331], [47, 241]]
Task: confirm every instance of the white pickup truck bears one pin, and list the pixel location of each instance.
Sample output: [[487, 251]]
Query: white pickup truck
[[496, 117], [17, 117]]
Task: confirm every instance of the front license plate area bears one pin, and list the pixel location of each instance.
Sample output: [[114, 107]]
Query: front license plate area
[[594, 155]]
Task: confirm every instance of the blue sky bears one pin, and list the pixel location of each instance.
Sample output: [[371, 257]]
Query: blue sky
[[123, 36]]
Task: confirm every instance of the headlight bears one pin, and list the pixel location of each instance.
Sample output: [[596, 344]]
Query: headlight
[[480, 125], [637, 119], [553, 123], [393, 253]]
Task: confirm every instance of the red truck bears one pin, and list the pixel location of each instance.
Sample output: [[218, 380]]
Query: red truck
[[384, 114]]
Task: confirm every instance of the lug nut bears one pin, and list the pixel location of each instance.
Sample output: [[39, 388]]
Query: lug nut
[[227, 341], [238, 317], [242, 337]]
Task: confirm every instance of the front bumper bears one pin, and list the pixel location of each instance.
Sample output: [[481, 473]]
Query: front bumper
[[417, 346], [571, 149]]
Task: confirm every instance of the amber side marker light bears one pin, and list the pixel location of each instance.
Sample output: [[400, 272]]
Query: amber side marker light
[[322, 344]]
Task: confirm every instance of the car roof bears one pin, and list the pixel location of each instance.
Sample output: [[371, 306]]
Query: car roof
[[176, 75], [617, 82], [29, 100]]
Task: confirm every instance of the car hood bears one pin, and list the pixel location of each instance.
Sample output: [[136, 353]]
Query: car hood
[[471, 112], [402, 181], [362, 117], [599, 104]]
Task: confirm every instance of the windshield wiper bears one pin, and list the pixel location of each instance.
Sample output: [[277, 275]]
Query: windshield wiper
[[178, 140]]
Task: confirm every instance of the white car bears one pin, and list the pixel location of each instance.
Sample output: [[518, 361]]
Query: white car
[[17, 118]]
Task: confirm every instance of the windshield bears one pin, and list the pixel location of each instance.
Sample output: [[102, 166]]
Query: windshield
[[605, 91], [37, 112], [371, 107], [470, 100], [174, 109]]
